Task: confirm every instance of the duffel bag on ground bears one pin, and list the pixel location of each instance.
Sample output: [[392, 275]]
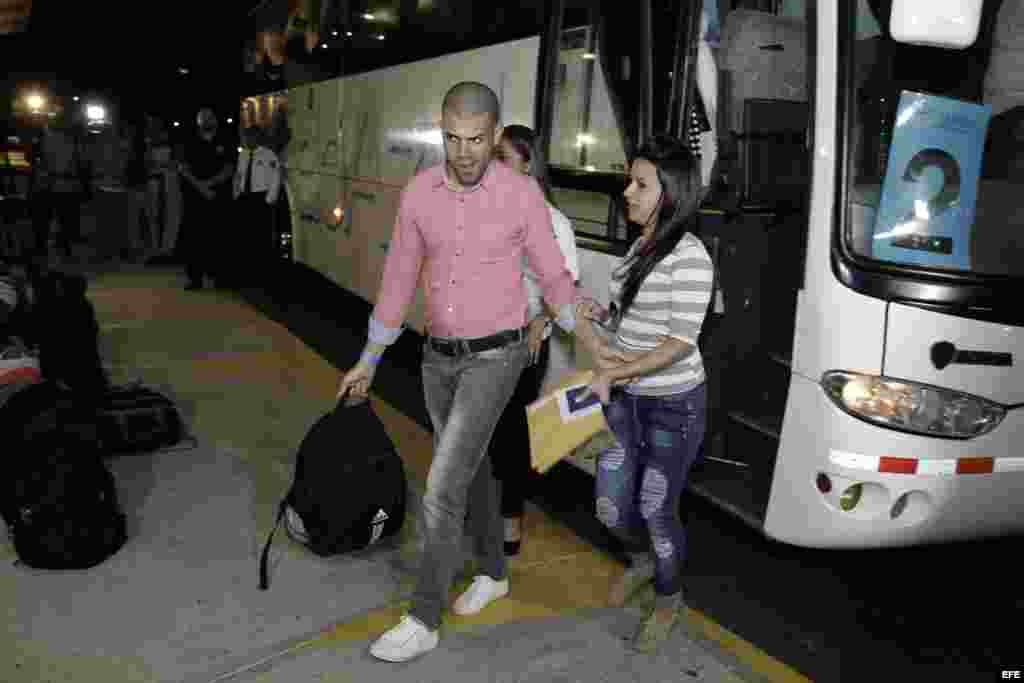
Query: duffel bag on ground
[[137, 419]]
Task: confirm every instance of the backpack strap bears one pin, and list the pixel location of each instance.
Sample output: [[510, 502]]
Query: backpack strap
[[264, 577]]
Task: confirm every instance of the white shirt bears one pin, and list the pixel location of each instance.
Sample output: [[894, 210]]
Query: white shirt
[[567, 244], [266, 172]]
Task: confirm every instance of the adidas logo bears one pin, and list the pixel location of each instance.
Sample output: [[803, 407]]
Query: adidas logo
[[380, 517]]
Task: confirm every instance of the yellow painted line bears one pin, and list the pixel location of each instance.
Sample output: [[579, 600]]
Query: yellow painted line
[[759, 661]]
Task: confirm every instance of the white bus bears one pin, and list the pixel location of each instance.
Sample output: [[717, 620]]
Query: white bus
[[863, 385]]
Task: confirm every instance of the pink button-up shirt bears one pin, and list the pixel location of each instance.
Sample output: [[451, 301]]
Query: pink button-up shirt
[[472, 244]]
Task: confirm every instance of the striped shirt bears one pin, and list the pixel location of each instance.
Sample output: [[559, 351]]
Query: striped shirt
[[671, 302]]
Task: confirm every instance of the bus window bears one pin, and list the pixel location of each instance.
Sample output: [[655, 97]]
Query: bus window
[[584, 132], [763, 112], [379, 33], [612, 87], [923, 194], [363, 35]]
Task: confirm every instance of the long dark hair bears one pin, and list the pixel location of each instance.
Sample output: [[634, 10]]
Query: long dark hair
[[525, 141], [679, 175]]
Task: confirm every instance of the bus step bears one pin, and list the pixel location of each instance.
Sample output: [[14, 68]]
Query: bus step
[[714, 449], [769, 426], [736, 496]]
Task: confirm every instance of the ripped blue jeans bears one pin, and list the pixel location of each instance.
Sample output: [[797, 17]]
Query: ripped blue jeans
[[639, 485]]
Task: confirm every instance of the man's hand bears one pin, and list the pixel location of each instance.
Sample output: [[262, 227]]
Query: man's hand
[[535, 337], [356, 383]]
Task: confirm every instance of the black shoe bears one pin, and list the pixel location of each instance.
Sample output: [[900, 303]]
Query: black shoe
[[193, 286]]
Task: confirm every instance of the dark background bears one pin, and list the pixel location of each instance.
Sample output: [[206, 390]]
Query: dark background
[[128, 54]]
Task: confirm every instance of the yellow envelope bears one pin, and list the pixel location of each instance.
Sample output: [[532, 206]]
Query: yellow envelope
[[561, 421]]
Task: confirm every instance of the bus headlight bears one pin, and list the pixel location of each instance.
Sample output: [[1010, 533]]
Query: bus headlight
[[912, 407]]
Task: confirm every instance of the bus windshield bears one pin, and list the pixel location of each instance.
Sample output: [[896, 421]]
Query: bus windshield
[[936, 165]]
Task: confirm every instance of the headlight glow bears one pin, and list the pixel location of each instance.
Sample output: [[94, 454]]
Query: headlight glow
[[912, 407]]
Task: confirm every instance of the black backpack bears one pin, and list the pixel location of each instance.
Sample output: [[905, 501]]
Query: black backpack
[[67, 334], [349, 486], [57, 497], [136, 419]]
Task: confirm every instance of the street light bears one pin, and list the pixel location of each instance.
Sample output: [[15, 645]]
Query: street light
[[95, 113], [36, 102]]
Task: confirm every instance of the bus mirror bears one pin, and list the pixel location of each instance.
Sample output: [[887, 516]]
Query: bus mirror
[[936, 23]]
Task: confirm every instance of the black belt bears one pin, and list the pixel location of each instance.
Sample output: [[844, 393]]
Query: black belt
[[458, 347]]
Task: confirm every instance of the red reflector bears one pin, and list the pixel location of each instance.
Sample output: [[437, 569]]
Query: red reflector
[[897, 465], [824, 483], [975, 465]]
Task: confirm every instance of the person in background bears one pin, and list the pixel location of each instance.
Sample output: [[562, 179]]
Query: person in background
[[469, 222], [257, 187], [162, 200], [510, 446], [207, 170], [134, 181], [650, 378], [60, 177]]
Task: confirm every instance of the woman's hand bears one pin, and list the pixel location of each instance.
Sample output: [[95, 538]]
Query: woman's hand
[[535, 337], [600, 386], [591, 310], [608, 357]]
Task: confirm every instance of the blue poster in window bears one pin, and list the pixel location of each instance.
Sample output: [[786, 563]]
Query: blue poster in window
[[931, 182]]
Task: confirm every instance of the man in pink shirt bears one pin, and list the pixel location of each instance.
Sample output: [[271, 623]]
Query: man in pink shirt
[[468, 222]]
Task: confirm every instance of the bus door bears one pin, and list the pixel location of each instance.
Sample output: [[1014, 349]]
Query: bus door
[[755, 223]]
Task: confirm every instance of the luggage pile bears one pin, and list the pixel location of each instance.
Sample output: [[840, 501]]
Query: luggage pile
[[61, 419]]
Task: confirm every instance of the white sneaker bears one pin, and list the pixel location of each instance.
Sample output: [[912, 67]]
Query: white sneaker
[[481, 593], [410, 639]]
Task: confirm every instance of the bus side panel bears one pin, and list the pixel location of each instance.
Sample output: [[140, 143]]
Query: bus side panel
[[940, 504], [302, 192], [303, 122]]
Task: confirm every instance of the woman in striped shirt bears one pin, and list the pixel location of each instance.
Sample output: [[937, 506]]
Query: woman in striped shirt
[[650, 377]]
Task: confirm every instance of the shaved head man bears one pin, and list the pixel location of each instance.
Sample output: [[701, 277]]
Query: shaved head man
[[463, 229], [470, 114]]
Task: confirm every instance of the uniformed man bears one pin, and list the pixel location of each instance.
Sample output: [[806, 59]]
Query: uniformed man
[[207, 170]]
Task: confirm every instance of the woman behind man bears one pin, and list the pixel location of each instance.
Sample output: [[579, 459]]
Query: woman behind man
[[510, 444], [650, 378]]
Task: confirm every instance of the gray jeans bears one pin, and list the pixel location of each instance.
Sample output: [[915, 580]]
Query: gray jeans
[[465, 396]]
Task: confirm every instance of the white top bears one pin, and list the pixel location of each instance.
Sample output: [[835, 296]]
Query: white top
[[567, 243], [266, 173]]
